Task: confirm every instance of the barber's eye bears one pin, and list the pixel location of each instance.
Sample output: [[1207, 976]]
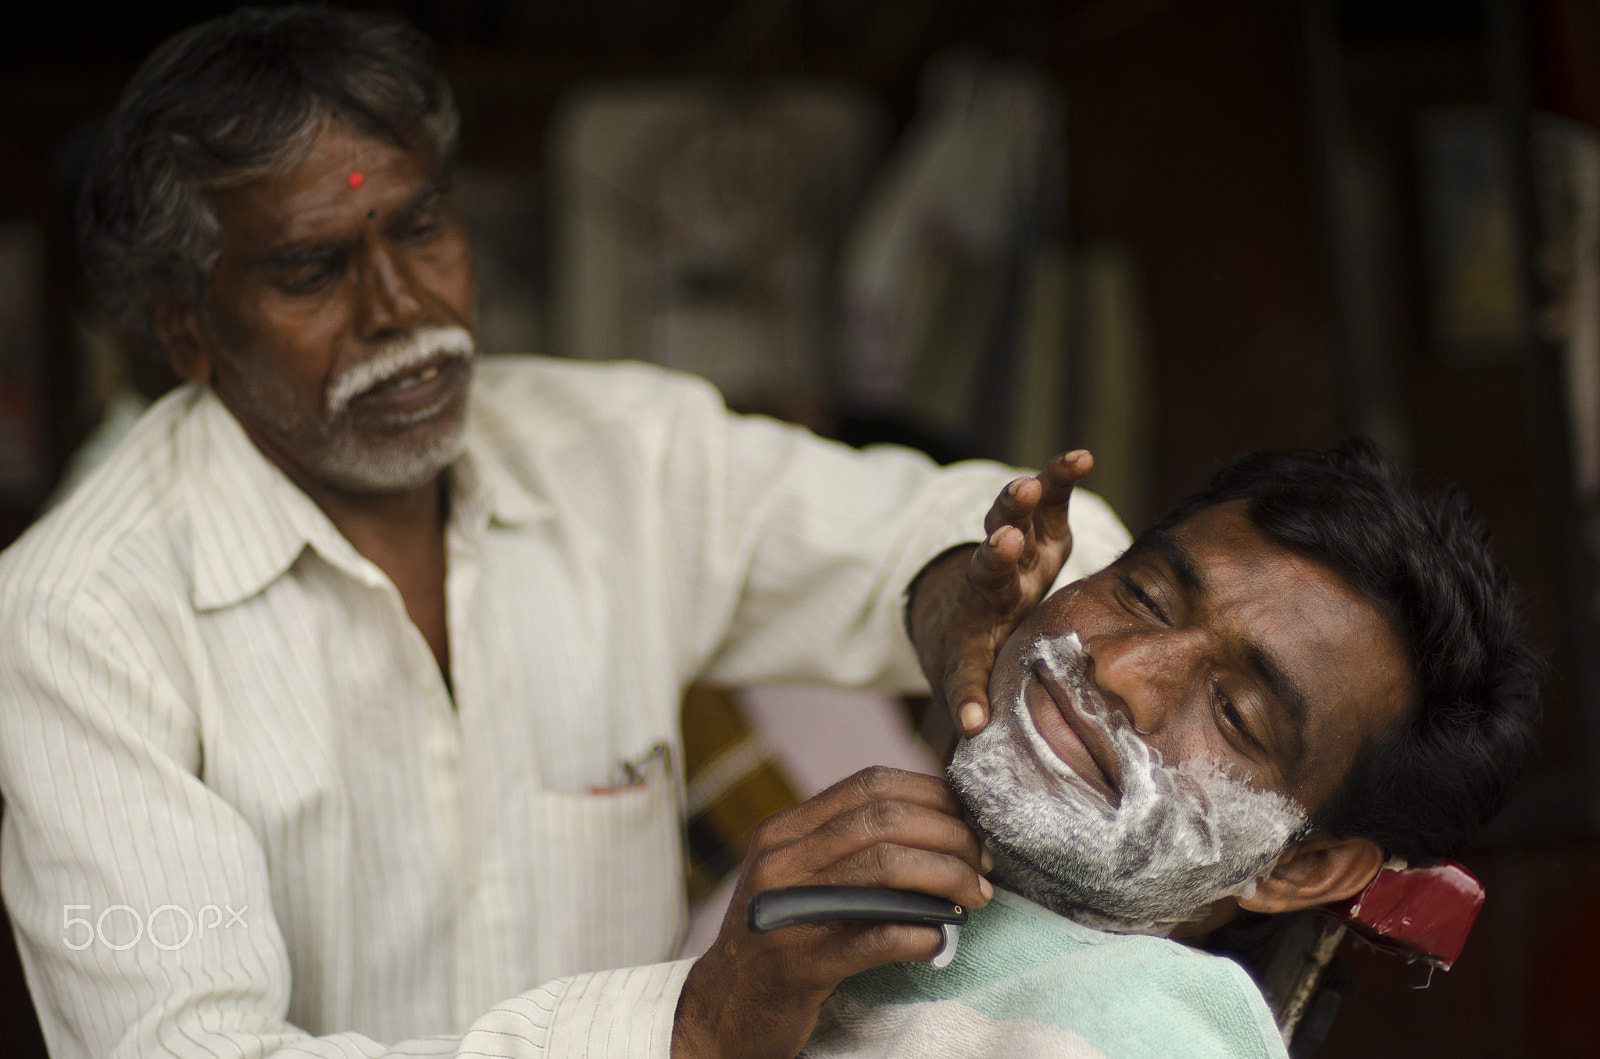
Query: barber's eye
[[309, 277], [418, 229]]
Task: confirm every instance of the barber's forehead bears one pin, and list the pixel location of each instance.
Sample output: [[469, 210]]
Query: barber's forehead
[[343, 167]]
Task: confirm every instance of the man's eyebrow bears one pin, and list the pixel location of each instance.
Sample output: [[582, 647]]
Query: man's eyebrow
[[292, 254], [1281, 686], [1162, 545], [426, 199]]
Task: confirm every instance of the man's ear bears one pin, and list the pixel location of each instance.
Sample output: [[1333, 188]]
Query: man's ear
[[181, 331], [1314, 871]]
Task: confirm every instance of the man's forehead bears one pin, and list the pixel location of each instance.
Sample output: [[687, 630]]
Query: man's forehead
[[320, 187], [1224, 540]]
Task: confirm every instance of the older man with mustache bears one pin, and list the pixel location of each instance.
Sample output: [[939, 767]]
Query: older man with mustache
[[339, 707]]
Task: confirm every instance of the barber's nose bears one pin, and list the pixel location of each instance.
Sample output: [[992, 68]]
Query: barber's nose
[[391, 300], [1143, 673]]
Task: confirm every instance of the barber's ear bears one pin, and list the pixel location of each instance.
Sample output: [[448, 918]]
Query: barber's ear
[[182, 332], [1314, 871]]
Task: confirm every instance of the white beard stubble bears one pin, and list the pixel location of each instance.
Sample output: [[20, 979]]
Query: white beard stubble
[[344, 457]]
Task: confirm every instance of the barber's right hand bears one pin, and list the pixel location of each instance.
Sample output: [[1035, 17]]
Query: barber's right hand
[[965, 604], [759, 995]]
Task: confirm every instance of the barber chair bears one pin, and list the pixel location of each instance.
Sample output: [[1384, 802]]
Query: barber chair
[[1420, 914]]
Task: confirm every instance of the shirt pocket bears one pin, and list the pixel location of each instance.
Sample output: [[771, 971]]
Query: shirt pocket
[[609, 891]]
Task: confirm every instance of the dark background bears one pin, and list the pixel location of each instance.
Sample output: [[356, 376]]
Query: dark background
[[1213, 140]]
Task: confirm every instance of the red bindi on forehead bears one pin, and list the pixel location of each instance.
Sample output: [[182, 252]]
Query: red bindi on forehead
[[356, 179]]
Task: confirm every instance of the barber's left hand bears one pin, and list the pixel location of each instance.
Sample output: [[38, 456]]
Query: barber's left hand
[[966, 604]]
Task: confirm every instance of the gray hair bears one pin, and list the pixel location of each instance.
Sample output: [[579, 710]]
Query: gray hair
[[229, 101]]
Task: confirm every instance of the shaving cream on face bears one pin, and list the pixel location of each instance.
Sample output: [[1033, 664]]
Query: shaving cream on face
[[1182, 836]]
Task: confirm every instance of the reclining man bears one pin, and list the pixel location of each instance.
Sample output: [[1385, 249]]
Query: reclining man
[[1302, 671]]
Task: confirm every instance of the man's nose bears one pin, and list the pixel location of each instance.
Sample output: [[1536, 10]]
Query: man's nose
[[390, 298], [1146, 674]]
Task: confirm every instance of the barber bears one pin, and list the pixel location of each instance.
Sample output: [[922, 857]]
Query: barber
[[378, 645]]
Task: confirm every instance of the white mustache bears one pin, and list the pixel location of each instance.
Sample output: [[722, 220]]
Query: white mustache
[[401, 357]]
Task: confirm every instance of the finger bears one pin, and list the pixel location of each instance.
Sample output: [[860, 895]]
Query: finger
[[906, 868], [902, 823], [882, 783], [1014, 506], [992, 570], [1057, 480], [817, 956], [873, 945], [966, 690], [877, 783]]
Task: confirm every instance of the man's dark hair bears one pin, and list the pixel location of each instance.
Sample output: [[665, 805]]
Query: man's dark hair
[[229, 101], [1423, 787]]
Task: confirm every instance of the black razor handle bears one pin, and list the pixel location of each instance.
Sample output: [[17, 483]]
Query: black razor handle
[[772, 909]]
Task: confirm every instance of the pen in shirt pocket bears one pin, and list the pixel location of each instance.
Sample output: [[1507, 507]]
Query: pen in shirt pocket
[[635, 772]]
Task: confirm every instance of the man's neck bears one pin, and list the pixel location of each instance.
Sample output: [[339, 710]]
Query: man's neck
[[378, 522], [402, 533], [1030, 884]]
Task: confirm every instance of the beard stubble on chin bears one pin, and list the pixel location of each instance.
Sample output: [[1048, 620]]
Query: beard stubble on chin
[[329, 444], [1181, 837]]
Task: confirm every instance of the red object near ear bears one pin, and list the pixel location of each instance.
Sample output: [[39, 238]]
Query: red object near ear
[[1423, 913], [356, 179]]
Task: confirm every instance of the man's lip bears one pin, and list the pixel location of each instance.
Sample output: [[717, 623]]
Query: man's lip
[[1074, 738], [434, 379]]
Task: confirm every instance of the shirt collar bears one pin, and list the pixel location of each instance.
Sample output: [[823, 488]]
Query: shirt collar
[[484, 487], [250, 522]]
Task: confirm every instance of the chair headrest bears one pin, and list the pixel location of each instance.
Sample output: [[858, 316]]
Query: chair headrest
[[1421, 913]]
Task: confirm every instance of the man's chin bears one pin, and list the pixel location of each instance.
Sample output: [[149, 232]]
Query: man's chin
[[1133, 869], [395, 464], [1004, 801], [1056, 890]]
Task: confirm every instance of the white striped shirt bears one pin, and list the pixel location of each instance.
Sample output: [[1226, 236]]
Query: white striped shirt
[[216, 716]]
